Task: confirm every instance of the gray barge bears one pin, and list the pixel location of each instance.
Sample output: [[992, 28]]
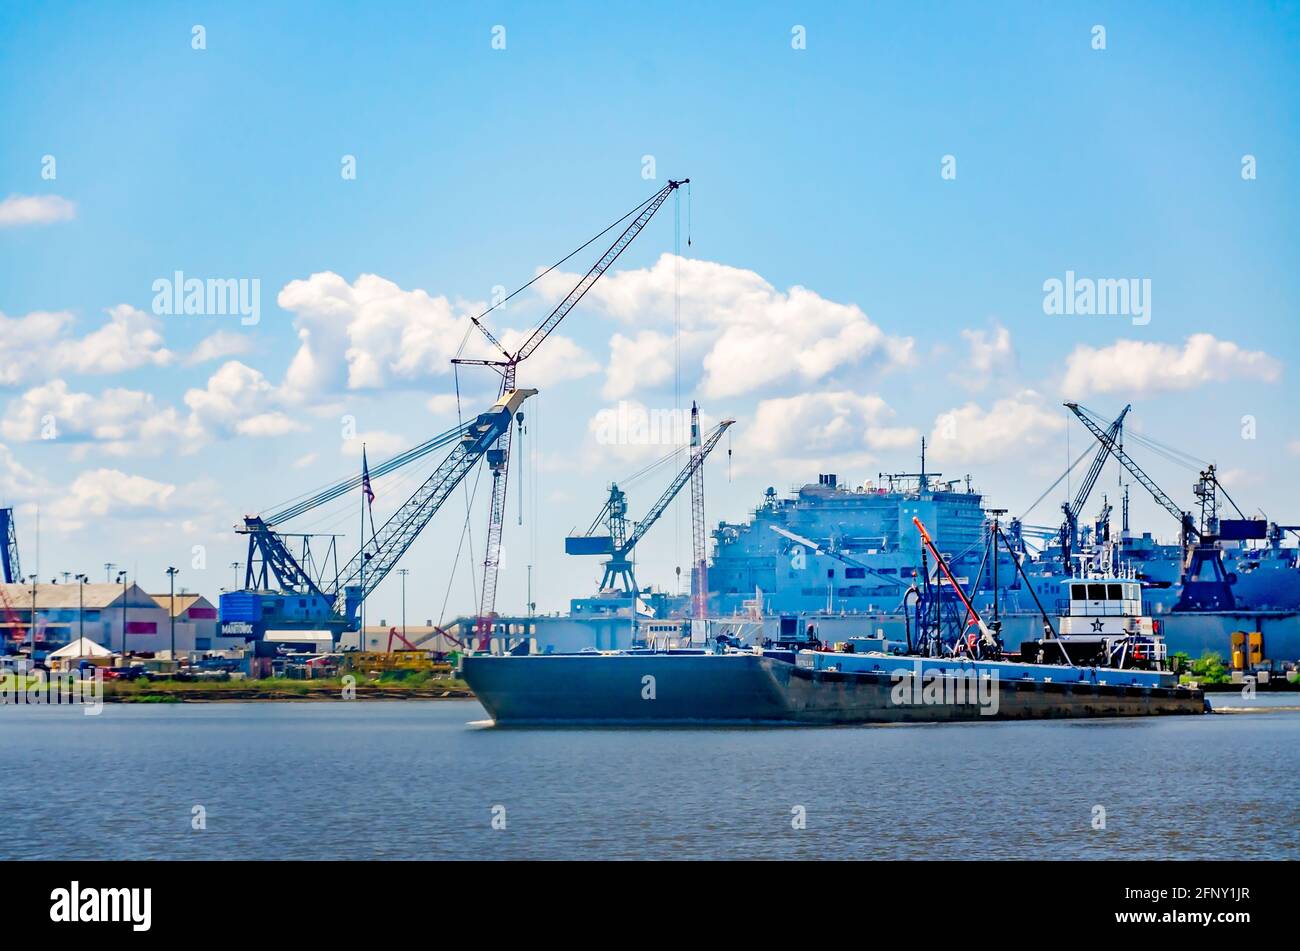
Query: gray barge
[[819, 687], [1107, 660]]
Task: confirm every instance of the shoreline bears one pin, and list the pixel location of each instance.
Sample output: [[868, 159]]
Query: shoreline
[[281, 691]]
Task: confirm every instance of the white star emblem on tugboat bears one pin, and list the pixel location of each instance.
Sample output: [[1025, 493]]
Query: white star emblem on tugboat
[[1097, 625]]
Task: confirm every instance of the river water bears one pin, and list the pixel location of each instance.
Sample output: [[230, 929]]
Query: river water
[[429, 780]]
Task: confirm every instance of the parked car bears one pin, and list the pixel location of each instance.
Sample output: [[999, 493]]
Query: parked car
[[125, 673]]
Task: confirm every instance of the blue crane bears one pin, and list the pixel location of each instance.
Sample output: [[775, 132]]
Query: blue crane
[[1205, 582], [618, 544], [10, 570], [335, 604]]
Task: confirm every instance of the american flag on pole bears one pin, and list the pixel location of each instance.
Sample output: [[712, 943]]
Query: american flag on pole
[[365, 478]]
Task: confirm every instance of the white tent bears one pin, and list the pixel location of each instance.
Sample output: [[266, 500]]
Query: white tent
[[81, 647]]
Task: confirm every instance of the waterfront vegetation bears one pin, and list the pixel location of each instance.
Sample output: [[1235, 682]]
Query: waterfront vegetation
[[421, 685], [1207, 669], [385, 687]]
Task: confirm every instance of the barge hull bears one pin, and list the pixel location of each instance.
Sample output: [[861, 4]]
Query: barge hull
[[747, 689]]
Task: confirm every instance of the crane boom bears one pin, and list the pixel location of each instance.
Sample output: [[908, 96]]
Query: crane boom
[[1069, 533], [1127, 462], [619, 544], [392, 540], [600, 267], [508, 367], [818, 549], [692, 466], [986, 634], [1098, 461]]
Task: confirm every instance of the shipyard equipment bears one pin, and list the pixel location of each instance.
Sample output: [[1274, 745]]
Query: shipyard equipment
[[507, 364], [1205, 582], [10, 570], [302, 595], [1070, 526], [819, 549], [699, 551], [617, 542], [988, 642], [10, 573]]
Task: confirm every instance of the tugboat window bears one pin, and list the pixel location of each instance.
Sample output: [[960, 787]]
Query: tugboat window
[[1078, 592], [1096, 592], [1113, 592]]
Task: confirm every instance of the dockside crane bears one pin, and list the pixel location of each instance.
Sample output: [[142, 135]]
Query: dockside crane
[[1069, 534], [618, 544], [336, 601], [1205, 585], [507, 365], [11, 571]]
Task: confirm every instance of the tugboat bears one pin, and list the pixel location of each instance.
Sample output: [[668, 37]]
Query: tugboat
[[1107, 660], [1102, 624]]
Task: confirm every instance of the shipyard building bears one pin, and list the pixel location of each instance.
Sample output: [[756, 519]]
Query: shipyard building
[[117, 617]]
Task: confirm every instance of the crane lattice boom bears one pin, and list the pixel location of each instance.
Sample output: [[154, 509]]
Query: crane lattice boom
[[1126, 460]]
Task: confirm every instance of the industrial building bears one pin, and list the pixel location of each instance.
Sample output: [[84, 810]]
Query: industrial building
[[197, 626], [118, 617]]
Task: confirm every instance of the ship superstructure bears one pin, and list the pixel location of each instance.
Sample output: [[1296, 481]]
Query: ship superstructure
[[836, 555]]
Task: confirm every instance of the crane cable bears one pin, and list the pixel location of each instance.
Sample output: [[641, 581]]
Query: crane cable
[[1087, 452], [541, 274]]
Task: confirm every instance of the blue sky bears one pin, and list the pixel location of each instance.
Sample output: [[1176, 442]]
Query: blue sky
[[816, 168]]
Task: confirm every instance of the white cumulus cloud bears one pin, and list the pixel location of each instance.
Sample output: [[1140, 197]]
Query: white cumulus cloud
[[989, 354], [240, 400], [745, 334], [372, 334], [219, 346], [100, 493], [35, 210], [839, 428], [123, 420], [971, 433], [1137, 368], [39, 344]]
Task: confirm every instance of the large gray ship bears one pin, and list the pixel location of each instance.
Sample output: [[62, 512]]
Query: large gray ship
[[841, 556]]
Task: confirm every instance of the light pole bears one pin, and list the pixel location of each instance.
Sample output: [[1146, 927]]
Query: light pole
[[404, 572], [81, 614], [108, 572], [31, 629], [171, 574], [236, 565], [121, 576]]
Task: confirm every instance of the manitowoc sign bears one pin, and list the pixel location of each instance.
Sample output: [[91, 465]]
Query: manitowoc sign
[[237, 629]]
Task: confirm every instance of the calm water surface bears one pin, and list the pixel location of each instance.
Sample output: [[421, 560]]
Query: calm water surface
[[417, 780]]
